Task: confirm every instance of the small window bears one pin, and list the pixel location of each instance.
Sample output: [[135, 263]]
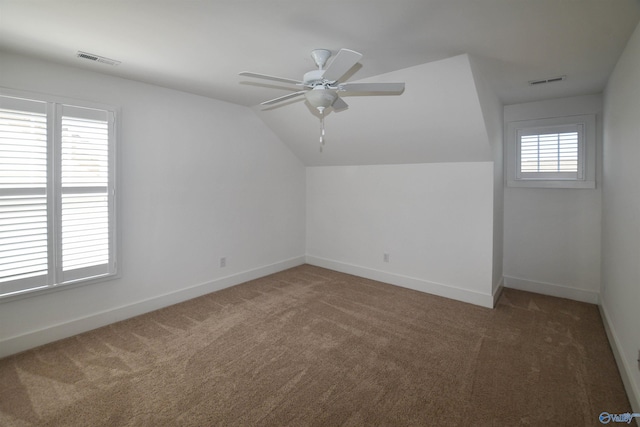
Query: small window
[[57, 194], [554, 153]]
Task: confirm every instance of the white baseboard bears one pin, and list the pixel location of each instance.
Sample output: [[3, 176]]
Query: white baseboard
[[497, 291], [464, 295], [632, 389], [551, 289], [67, 329]]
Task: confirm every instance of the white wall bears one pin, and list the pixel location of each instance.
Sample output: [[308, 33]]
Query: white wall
[[441, 221], [434, 220], [200, 179], [620, 294], [552, 236]]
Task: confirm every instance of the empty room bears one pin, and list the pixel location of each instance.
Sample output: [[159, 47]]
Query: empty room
[[338, 213]]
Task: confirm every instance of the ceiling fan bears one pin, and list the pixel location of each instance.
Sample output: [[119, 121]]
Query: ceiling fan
[[321, 86]]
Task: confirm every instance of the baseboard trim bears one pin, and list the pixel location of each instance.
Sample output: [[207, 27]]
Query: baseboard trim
[[551, 289], [464, 295], [73, 327], [498, 291], [626, 371]]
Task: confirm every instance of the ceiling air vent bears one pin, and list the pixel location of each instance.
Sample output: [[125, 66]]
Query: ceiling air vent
[[97, 58], [549, 80]]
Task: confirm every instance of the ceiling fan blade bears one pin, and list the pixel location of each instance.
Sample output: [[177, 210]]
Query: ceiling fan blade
[[339, 105], [344, 60], [371, 87], [282, 98], [267, 77]]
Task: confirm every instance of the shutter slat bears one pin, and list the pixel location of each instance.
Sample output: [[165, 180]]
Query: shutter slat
[[23, 244], [23, 272]]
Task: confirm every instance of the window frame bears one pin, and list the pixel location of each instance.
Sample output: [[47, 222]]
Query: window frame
[[585, 177], [55, 106]]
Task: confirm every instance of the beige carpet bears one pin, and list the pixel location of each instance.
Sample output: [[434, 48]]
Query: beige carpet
[[310, 346]]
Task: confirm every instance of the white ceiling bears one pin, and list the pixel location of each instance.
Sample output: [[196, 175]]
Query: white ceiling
[[199, 46]]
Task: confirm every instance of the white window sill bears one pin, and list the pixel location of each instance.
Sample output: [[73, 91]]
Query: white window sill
[[540, 183]]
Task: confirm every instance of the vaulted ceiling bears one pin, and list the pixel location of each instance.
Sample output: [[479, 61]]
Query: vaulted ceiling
[[438, 118], [199, 46]]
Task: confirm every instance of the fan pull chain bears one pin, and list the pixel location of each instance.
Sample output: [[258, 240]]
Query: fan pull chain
[[321, 130]]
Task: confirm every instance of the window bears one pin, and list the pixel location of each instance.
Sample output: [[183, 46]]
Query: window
[[555, 153], [57, 194]]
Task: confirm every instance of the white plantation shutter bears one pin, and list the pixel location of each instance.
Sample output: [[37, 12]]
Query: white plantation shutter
[[57, 205], [85, 192], [24, 226], [553, 152], [550, 153]]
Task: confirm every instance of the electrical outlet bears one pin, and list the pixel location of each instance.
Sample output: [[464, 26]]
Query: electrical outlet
[[223, 262], [385, 257]]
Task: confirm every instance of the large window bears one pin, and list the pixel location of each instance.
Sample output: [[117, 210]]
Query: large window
[[57, 194], [556, 153]]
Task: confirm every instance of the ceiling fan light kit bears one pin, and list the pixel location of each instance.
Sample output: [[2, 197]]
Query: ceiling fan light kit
[[321, 98], [321, 86]]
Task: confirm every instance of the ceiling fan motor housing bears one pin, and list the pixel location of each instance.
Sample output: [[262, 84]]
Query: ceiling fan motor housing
[[313, 78]]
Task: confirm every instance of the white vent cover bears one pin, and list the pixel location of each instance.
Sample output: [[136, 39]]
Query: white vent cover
[[97, 58]]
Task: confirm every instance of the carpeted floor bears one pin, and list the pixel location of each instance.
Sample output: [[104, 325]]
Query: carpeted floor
[[310, 346]]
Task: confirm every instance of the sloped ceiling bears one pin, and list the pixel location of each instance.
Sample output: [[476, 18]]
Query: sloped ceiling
[[437, 119], [199, 46]]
